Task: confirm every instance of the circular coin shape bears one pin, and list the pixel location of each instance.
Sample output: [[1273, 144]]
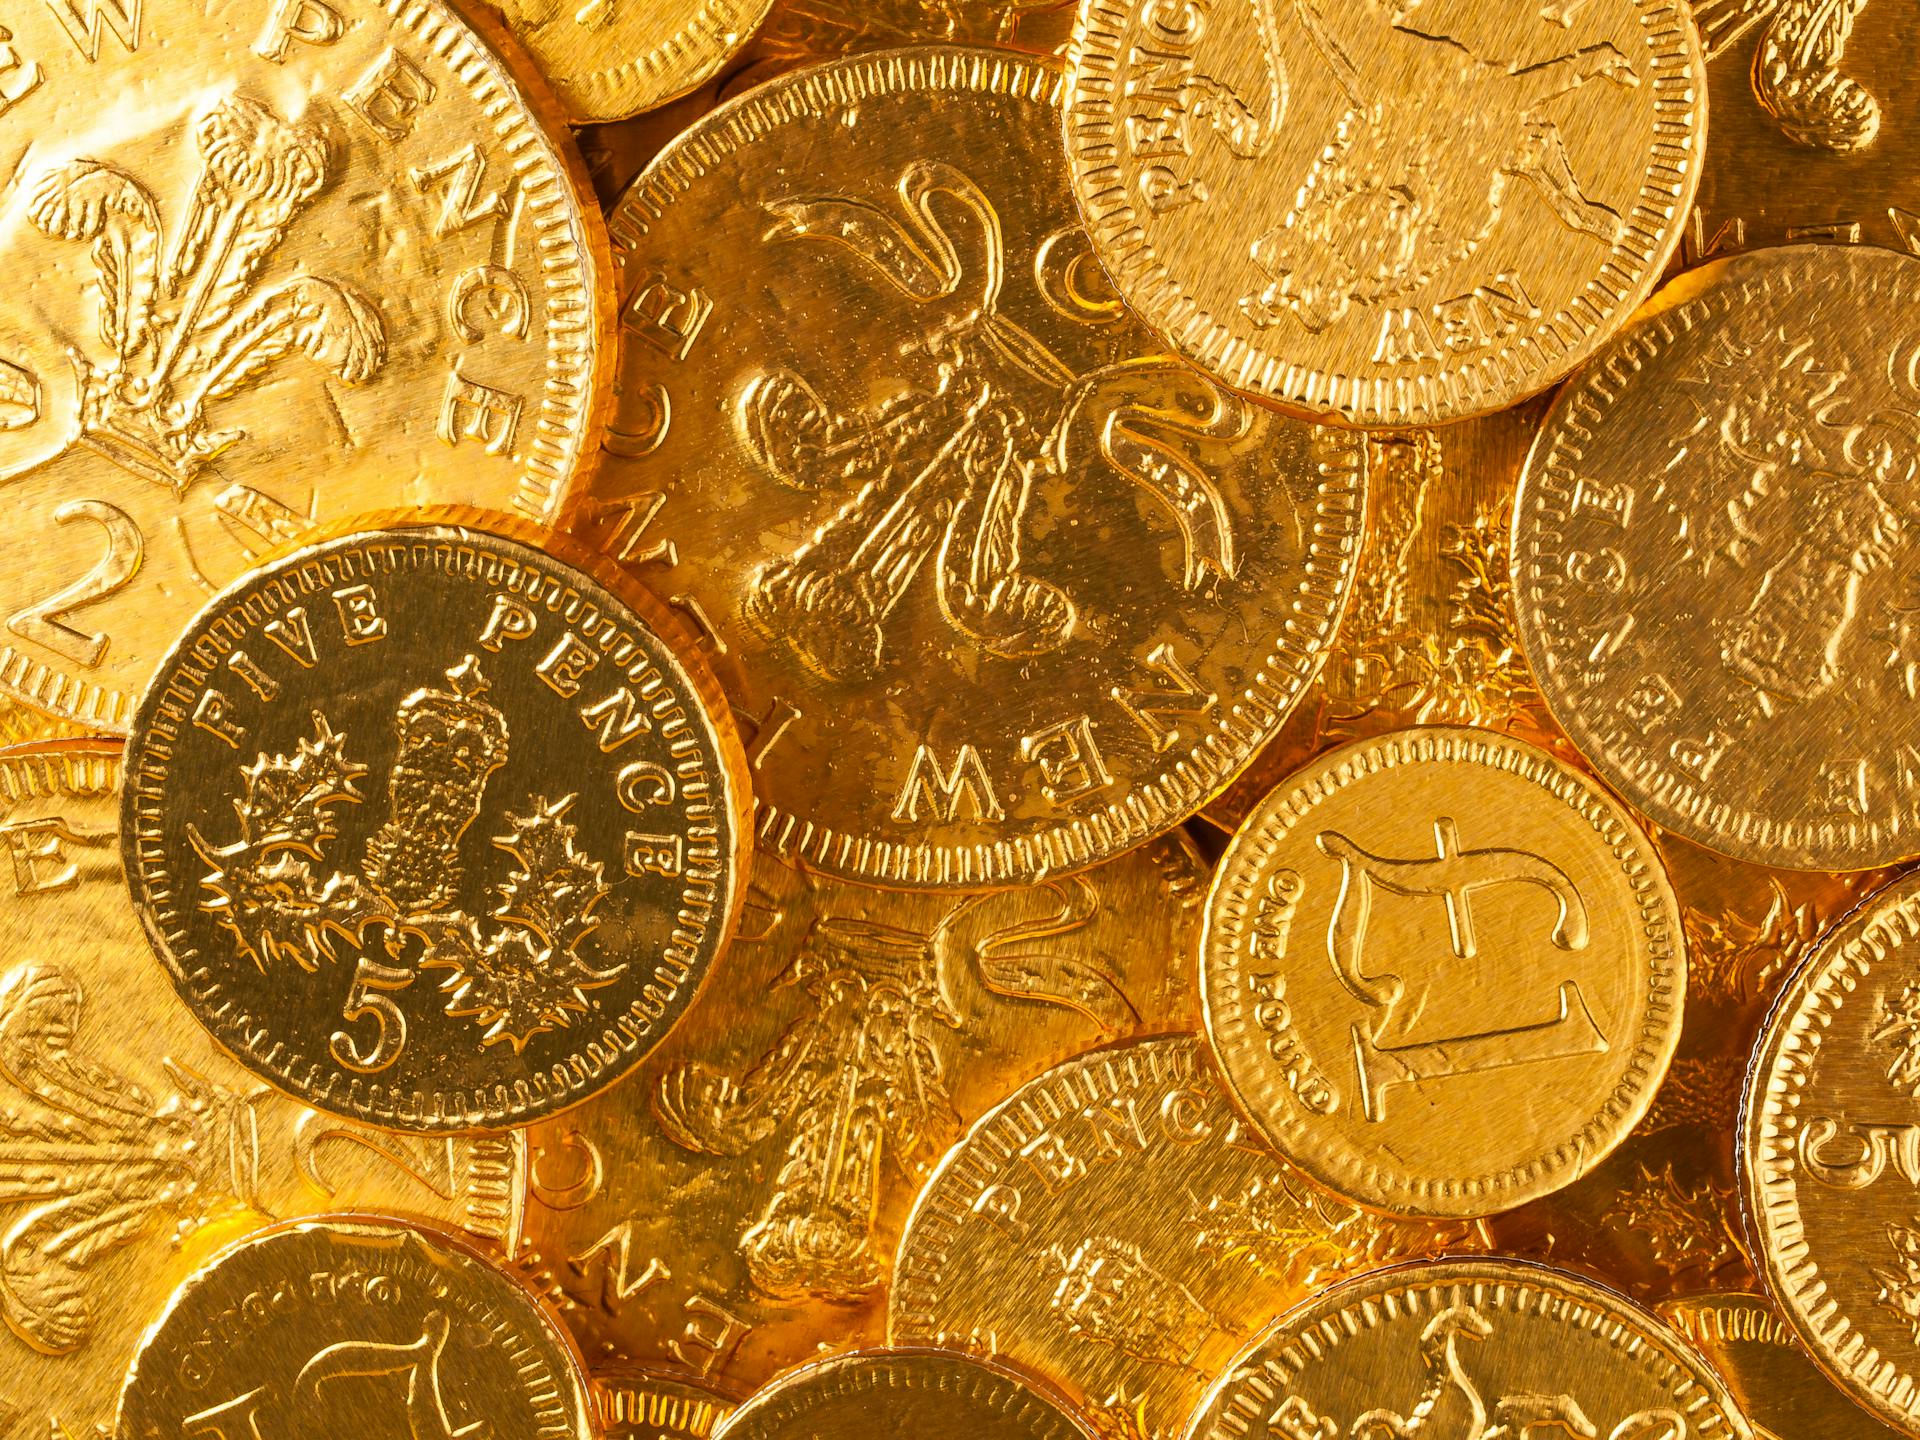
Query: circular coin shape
[[155, 1124], [888, 1019], [1042, 589], [353, 1325], [1367, 211], [1443, 971], [433, 829], [273, 265], [1829, 1135], [608, 59], [925, 1393], [1709, 558], [1776, 1386], [1508, 1347], [1115, 1227]]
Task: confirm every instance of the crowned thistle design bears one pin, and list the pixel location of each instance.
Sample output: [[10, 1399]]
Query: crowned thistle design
[[187, 325], [517, 972], [91, 1161]]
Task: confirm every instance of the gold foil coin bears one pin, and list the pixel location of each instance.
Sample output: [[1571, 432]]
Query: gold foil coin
[[921, 1393], [433, 829], [1486, 1348], [655, 1405], [353, 1325], [1040, 587], [131, 1146], [608, 59], [1116, 1228], [735, 1205], [271, 265], [1779, 1389], [1387, 212], [1828, 1147], [1443, 971], [1748, 461]]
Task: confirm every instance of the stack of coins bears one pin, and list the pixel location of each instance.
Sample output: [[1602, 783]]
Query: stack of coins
[[807, 719]]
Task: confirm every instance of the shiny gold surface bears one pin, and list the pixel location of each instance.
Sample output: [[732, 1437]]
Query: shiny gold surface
[[1771, 1379], [1816, 125], [1386, 211], [1659, 1218], [1115, 1228], [1490, 1349], [130, 1145], [654, 1405], [1443, 971], [798, 32], [432, 828], [1428, 637], [998, 590], [269, 265], [903, 1392], [608, 59], [736, 1204], [1742, 458], [353, 1325], [1827, 1148]]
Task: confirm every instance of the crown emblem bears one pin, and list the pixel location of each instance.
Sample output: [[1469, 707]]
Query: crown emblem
[[188, 326], [517, 970]]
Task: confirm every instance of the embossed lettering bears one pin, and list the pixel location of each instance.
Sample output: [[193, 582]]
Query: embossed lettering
[[1155, 710], [570, 660], [360, 619], [472, 411], [1297, 1420], [618, 716], [38, 849], [367, 999], [497, 294], [458, 178], [1843, 786], [257, 680], [1698, 758], [85, 21], [256, 519], [644, 783], [43, 622], [999, 1205], [294, 635], [1650, 701], [510, 619], [653, 854], [1604, 569], [391, 95], [1068, 759], [1851, 1156], [1601, 501], [943, 791], [711, 1342], [764, 731], [667, 318], [614, 1253], [213, 714], [311, 22]]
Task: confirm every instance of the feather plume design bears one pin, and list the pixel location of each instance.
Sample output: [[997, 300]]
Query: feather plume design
[[87, 201]]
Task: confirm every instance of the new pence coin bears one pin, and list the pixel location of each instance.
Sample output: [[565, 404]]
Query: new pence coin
[[1710, 558]]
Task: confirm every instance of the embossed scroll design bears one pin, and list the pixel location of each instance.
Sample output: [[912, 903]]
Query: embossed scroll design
[[1451, 875], [858, 1082], [187, 325], [946, 474], [1796, 69], [1466, 1412], [350, 1362], [90, 1160], [1403, 188], [519, 976]]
